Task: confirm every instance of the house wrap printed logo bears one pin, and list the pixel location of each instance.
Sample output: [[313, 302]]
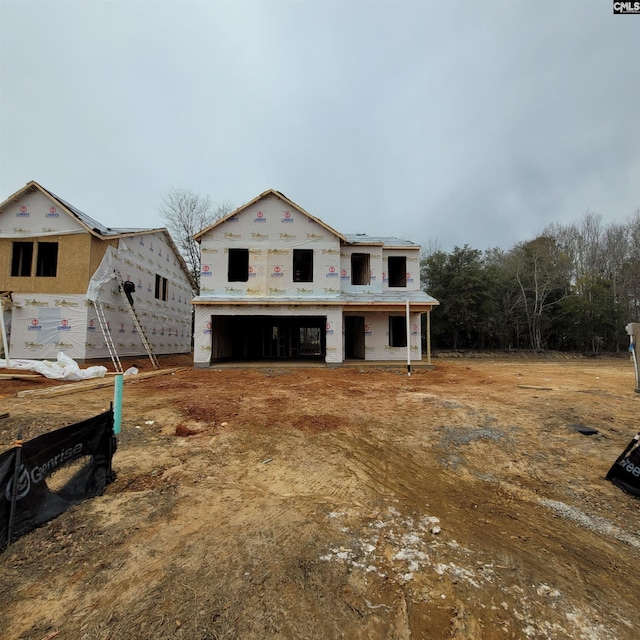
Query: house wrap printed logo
[[260, 217], [39, 473], [64, 325], [626, 7], [52, 213], [34, 325]]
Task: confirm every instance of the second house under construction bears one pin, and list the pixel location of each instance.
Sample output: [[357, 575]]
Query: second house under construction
[[62, 276]]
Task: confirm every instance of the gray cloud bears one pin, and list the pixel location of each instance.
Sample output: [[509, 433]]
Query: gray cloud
[[466, 123]]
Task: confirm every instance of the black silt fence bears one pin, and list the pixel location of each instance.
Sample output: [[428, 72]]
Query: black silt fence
[[625, 471], [28, 497]]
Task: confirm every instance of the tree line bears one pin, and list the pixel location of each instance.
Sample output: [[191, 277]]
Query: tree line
[[574, 287]]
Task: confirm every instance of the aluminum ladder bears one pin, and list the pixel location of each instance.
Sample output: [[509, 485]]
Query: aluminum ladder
[[136, 322], [108, 340]]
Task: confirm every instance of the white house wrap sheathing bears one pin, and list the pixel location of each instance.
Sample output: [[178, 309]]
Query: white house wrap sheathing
[[167, 323], [44, 324], [271, 229], [270, 233], [202, 333], [37, 216]]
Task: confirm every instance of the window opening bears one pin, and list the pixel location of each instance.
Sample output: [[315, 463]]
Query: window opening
[[360, 269], [162, 288], [397, 271], [303, 265], [47, 262], [21, 259], [397, 331], [238, 265]]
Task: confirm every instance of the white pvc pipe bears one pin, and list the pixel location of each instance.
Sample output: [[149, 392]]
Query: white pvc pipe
[[408, 342]]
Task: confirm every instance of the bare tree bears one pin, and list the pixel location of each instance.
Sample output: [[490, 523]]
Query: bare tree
[[542, 271], [185, 214]]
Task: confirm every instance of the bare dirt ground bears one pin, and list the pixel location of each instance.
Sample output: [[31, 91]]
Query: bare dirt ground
[[342, 503]]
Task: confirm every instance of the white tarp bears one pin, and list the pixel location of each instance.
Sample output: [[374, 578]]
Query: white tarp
[[64, 368]]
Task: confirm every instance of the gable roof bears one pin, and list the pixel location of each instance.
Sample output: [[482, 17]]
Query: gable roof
[[264, 194], [97, 229], [94, 227]]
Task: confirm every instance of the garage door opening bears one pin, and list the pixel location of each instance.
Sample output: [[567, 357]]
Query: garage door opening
[[246, 338]]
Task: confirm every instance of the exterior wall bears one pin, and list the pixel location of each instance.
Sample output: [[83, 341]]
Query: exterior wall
[[376, 269], [98, 249], [202, 323], [45, 324], [42, 325], [270, 231], [167, 323], [35, 214], [73, 268], [413, 268], [36, 217], [376, 337]]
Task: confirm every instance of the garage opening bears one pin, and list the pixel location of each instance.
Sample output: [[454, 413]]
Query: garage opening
[[245, 338]]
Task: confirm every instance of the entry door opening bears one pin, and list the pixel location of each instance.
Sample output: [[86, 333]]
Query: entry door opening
[[354, 328]]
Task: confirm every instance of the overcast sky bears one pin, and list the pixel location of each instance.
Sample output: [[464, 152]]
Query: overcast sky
[[451, 123]]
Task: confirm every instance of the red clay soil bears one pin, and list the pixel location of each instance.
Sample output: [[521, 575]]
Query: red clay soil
[[341, 503]]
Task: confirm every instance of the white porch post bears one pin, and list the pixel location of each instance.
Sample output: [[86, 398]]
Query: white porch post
[[429, 336], [408, 342]]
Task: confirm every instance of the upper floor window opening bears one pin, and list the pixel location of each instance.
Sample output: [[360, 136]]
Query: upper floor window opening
[[162, 288], [47, 260], [238, 265], [22, 259], [303, 265], [360, 268], [397, 271]]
